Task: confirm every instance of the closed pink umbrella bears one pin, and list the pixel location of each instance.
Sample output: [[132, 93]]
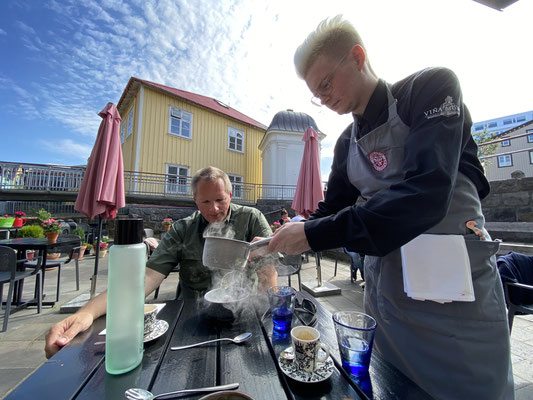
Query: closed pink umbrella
[[102, 189], [309, 187], [308, 194]]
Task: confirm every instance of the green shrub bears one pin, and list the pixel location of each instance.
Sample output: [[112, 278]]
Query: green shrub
[[43, 215], [79, 232], [34, 231]]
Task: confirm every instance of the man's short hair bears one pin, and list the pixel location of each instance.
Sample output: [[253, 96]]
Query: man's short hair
[[333, 37], [211, 174]]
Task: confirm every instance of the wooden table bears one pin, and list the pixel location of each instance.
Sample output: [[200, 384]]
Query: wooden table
[[41, 245], [78, 370]]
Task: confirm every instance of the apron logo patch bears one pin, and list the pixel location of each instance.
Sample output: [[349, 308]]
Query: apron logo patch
[[447, 109], [378, 160]]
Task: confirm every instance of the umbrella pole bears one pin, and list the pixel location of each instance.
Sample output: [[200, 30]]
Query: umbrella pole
[[97, 254]]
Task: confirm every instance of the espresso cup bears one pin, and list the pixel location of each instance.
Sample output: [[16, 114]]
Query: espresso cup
[[150, 311], [306, 344]]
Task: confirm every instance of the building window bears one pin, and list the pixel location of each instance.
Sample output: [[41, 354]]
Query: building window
[[507, 121], [178, 181], [122, 132], [478, 128], [530, 138], [505, 161], [235, 139], [130, 122], [492, 125], [531, 156], [236, 186], [180, 123], [506, 143]]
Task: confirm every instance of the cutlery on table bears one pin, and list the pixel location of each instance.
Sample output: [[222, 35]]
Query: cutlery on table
[[237, 339], [142, 394]]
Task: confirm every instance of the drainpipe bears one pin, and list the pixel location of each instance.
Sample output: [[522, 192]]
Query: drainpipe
[[138, 135]]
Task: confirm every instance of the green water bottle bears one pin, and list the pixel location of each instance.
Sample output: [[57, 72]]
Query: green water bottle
[[125, 298]]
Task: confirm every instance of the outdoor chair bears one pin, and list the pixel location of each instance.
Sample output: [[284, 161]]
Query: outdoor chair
[[356, 263], [73, 254], [516, 273], [291, 265], [148, 232], [9, 272]]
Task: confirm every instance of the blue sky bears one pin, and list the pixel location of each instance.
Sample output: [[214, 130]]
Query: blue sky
[[61, 61]]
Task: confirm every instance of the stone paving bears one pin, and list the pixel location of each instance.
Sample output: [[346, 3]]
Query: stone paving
[[21, 347]]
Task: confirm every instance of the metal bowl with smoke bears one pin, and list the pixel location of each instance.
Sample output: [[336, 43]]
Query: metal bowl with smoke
[[226, 303]]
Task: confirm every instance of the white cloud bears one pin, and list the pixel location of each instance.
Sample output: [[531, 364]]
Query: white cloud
[[67, 151], [241, 52]]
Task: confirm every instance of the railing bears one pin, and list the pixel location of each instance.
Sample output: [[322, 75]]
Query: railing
[[17, 176]]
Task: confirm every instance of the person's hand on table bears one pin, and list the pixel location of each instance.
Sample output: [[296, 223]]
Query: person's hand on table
[[289, 239], [64, 331]]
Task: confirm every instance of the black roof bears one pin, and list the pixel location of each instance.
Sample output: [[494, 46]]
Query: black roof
[[290, 120]]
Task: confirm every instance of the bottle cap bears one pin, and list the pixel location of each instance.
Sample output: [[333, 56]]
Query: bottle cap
[[129, 231]]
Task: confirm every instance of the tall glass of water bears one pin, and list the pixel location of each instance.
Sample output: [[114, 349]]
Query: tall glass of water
[[281, 299], [355, 336]]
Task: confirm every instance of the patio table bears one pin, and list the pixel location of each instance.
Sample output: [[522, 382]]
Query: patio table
[[78, 370], [41, 245]]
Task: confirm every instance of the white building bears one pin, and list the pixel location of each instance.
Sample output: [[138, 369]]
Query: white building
[[514, 155], [499, 125], [282, 149]]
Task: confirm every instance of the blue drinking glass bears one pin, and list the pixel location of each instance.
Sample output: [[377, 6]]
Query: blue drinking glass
[[355, 336], [281, 299]]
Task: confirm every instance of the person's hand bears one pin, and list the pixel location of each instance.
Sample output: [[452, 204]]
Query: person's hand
[[258, 252], [64, 331], [289, 239]]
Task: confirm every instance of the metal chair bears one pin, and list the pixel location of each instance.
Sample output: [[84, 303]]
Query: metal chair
[[516, 273], [356, 263], [73, 254], [290, 265], [10, 273]]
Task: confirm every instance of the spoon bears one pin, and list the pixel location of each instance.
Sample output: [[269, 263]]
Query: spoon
[[237, 339], [141, 394], [288, 354]]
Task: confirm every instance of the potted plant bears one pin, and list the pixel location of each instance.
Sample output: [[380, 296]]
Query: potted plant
[[6, 221], [103, 249], [34, 231], [89, 248], [19, 221], [81, 234], [30, 231], [52, 229], [276, 225], [167, 223]]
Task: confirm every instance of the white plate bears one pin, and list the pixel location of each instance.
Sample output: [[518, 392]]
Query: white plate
[[160, 327], [290, 368]]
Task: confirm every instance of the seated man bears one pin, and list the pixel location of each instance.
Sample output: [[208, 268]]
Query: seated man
[[183, 244]]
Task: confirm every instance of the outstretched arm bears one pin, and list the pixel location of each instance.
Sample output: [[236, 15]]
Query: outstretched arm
[[64, 331]]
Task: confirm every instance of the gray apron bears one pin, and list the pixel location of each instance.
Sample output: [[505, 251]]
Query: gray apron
[[457, 350]]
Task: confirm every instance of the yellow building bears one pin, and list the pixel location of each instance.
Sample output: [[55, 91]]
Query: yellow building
[[172, 133]]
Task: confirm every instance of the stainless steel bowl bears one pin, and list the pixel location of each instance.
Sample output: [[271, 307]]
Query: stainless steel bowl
[[225, 253], [225, 304]]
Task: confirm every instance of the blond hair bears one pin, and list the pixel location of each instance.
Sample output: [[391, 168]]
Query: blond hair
[[333, 37], [211, 174]]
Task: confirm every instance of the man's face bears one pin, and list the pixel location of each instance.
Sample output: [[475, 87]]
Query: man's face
[[336, 82], [212, 200]]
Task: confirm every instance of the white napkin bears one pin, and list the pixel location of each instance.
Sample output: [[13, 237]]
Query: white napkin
[[437, 268], [159, 308]]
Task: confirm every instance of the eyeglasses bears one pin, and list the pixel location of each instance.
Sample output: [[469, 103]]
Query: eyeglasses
[[304, 310], [326, 85]]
